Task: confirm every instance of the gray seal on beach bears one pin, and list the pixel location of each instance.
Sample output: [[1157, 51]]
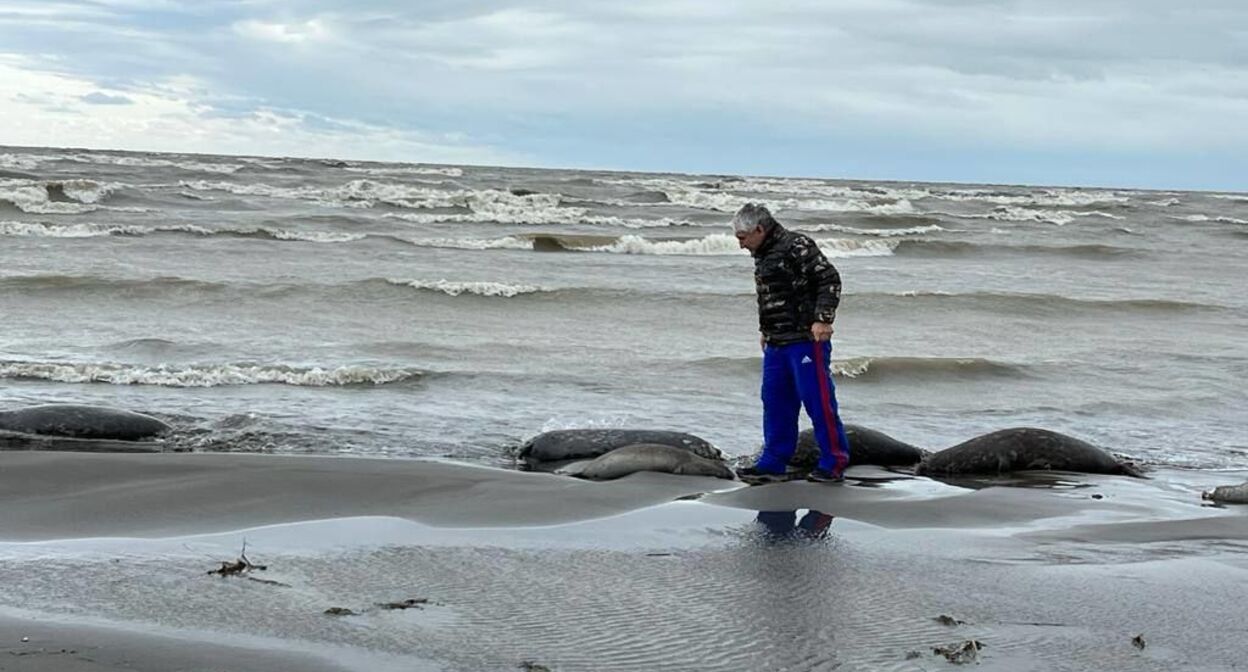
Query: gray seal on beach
[[1023, 449], [866, 446], [579, 444], [1228, 494], [83, 422], [652, 457]]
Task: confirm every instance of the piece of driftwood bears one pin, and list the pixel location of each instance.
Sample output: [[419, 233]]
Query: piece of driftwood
[[239, 567], [960, 654]]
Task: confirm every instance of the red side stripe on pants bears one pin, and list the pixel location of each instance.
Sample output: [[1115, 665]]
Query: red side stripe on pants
[[829, 416]]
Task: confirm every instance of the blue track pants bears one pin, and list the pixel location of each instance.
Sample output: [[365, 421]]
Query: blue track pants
[[798, 375]]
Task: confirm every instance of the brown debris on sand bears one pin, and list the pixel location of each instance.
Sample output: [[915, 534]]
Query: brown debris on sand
[[1138, 641], [960, 654], [409, 603], [530, 666], [945, 619], [239, 567], [339, 611]]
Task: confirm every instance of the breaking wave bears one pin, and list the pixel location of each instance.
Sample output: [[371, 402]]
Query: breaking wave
[[406, 170], [874, 369], [492, 289], [55, 197], [467, 206], [205, 375], [1208, 218], [144, 162], [718, 244], [20, 161], [883, 233], [805, 194], [1021, 214], [1062, 198], [715, 244], [92, 230]]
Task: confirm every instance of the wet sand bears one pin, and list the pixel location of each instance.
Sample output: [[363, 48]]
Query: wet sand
[[112, 552]]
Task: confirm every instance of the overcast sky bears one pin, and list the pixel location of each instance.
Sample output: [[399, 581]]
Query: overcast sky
[[1146, 93]]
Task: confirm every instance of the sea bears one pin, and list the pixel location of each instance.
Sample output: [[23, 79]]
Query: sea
[[399, 310]]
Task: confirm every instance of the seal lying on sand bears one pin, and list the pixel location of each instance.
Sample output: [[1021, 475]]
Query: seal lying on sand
[[652, 457], [866, 446], [1022, 449], [579, 444], [82, 422], [1228, 494]]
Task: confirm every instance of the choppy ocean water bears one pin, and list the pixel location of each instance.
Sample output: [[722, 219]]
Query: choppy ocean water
[[296, 305]]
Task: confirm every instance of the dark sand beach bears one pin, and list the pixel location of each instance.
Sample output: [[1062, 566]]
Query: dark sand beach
[[107, 555]]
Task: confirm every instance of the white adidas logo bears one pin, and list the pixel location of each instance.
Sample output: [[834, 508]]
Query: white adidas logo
[[806, 359]]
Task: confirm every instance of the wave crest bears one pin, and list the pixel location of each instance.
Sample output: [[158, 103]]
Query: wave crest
[[195, 375], [55, 197], [492, 289], [879, 368]]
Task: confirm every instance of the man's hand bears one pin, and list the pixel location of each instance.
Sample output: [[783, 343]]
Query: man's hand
[[822, 331], [762, 342]]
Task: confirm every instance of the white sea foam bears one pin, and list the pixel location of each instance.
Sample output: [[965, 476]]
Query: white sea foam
[[35, 196], [505, 243], [143, 162], [83, 230], [726, 202], [723, 244], [314, 236], [1165, 203], [1017, 214], [20, 161], [407, 170], [1242, 198], [93, 230], [1042, 198], [195, 375], [484, 204], [805, 195], [1207, 218], [882, 233], [714, 244], [496, 289], [843, 248]]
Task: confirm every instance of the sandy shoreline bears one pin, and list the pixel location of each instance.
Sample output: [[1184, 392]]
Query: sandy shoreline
[[97, 549]]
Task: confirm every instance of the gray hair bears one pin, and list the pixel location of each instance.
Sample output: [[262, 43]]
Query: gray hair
[[752, 216]]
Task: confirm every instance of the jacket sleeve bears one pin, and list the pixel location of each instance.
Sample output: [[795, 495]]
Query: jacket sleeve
[[822, 276]]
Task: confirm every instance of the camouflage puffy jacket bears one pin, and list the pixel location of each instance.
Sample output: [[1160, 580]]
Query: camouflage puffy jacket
[[797, 286]]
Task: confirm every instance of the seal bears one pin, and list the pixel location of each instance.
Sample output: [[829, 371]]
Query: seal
[[83, 422], [577, 444], [1228, 494], [866, 446], [652, 457], [1023, 449]]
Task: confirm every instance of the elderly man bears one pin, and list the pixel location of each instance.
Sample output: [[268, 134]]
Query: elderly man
[[798, 293]]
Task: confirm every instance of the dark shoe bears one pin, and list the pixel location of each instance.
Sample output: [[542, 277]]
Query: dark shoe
[[754, 475], [821, 476]]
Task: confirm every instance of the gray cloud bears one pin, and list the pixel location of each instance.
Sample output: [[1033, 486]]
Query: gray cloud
[[98, 98]]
